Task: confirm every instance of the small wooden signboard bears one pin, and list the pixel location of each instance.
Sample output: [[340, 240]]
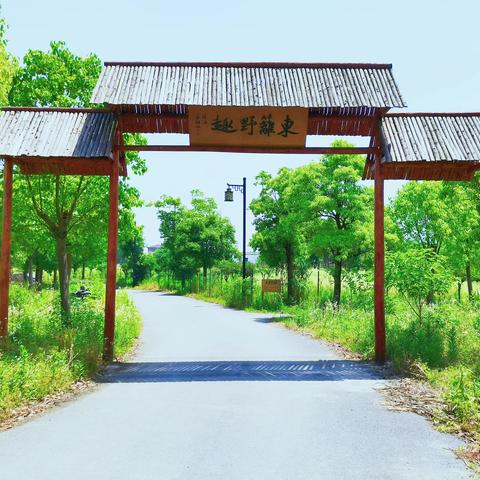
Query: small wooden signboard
[[271, 285], [273, 127]]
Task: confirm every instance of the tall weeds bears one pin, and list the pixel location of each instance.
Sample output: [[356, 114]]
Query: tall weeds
[[41, 357]]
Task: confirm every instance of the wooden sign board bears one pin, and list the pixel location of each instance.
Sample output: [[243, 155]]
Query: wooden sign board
[[269, 127], [271, 285]]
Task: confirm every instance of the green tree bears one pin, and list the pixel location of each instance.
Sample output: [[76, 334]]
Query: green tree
[[173, 256], [132, 258], [415, 273], [72, 209], [213, 233], [340, 211], [56, 78], [279, 214], [441, 217], [420, 214], [462, 245], [193, 238], [8, 64]]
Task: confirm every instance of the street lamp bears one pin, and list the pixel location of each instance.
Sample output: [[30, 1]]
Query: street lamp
[[229, 198]]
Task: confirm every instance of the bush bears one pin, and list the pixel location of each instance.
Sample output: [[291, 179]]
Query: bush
[[417, 274], [40, 357]]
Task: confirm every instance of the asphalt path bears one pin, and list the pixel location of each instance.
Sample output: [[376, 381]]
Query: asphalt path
[[214, 393]]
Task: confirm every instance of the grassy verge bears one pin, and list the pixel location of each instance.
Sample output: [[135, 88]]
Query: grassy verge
[[41, 357]]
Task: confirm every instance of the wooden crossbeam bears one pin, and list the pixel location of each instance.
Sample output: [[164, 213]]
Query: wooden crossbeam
[[307, 150]]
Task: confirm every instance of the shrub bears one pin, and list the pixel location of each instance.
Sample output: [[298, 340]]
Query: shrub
[[40, 357]]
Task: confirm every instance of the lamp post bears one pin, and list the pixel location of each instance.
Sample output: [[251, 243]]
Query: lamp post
[[229, 198]]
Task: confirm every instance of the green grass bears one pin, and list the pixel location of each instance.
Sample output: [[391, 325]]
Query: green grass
[[41, 357]]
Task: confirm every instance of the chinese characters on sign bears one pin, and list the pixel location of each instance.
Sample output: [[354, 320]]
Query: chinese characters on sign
[[248, 126]]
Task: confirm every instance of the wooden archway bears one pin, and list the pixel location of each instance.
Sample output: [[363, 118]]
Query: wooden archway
[[337, 99]]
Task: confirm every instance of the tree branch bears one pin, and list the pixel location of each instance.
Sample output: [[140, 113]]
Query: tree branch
[[76, 197], [57, 199], [41, 214]]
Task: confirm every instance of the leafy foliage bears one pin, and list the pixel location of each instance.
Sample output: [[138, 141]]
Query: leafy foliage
[[279, 235], [42, 357], [342, 211], [8, 64], [416, 273], [318, 209], [193, 238], [132, 258], [421, 215], [68, 213], [56, 78]]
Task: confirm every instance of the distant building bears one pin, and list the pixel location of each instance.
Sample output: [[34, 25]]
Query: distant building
[[153, 248]]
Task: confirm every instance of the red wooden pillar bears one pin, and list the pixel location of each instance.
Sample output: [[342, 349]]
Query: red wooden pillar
[[6, 240], [379, 279], [109, 330]]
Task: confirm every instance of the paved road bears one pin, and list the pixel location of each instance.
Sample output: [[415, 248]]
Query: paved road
[[221, 394]]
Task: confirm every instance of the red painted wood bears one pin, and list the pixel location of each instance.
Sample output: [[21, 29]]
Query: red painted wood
[[434, 170], [67, 166], [6, 240], [379, 277], [109, 327]]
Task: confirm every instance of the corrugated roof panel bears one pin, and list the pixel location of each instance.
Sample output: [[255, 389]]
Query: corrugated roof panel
[[432, 137], [287, 85], [56, 133]]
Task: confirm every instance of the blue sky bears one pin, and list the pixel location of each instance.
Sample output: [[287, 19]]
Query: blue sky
[[434, 47]]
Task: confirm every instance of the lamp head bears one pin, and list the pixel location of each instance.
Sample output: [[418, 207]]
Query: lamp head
[[229, 195]]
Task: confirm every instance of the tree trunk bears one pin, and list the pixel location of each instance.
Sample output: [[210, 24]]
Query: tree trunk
[[30, 272], [38, 277], [64, 277], [459, 291], [430, 298], [25, 272], [204, 278], [468, 271], [318, 284], [83, 269], [337, 282], [69, 264], [55, 279], [290, 274]]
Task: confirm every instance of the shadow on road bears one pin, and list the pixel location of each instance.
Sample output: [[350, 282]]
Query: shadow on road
[[157, 292], [266, 320], [224, 371]]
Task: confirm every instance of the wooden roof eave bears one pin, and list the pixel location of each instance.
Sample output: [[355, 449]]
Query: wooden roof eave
[[422, 170], [36, 165]]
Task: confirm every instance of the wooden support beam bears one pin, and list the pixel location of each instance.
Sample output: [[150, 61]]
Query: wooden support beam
[[199, 148], [6, 240], [109, 327], [379, 276]]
